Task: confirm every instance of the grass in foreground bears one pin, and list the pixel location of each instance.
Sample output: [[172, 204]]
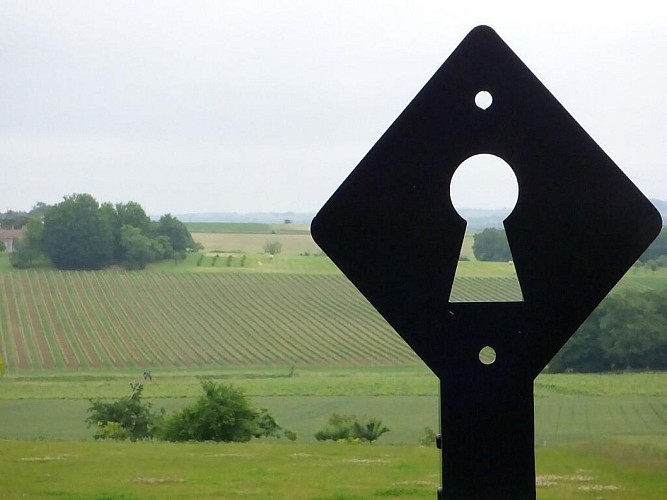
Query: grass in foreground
[[78, 470]]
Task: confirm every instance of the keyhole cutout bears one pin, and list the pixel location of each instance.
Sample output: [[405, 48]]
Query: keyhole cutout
[[482, 183]]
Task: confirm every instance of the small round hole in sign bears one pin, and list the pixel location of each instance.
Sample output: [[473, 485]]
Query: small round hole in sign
[[487, 356], [483, 99]]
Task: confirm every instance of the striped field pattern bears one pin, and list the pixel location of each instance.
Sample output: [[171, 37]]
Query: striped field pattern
[[51, 319]]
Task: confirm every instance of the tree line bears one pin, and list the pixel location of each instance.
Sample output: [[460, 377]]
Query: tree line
[[79, 233], [491, 245], [627, 331]]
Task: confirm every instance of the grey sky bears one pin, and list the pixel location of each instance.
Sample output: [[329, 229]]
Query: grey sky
[[267, 106]]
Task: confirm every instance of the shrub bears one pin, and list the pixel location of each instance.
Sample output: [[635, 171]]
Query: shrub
[[127, 418], [273, 247], [223, 413], [339, 427], [347, 427]]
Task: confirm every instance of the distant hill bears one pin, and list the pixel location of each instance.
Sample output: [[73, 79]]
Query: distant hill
[[480, 219], [477, 219]]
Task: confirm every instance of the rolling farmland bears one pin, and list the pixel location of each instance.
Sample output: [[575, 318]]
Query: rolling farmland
[[72, 320], [70, 336], [110, 319]]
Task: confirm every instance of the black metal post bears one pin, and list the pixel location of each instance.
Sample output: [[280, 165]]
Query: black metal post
[[482, 448]]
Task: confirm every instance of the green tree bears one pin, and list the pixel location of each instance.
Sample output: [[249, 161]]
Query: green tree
[[29, 249], [627, 330], [162, 248], [2, 246], [77, 235], [13, 220], [108, 214], [124, 214], [634, 330], [138, 249], [223, 413], [128, 214], [127, 418], [583, 352], [491, 245], [39, 209], [133, 214], [177, 233]]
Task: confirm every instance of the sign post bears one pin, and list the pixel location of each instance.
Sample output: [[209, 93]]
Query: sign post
[[578, 226]]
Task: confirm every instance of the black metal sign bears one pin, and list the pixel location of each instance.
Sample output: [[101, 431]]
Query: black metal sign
[[578, 226]]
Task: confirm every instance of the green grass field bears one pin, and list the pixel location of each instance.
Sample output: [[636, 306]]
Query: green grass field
[[598, 435], [78, 470], [569, 407]]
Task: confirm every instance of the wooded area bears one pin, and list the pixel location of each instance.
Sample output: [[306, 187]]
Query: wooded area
[[79, 233]]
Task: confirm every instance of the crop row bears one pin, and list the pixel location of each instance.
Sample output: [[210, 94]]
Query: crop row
[[52, 319]]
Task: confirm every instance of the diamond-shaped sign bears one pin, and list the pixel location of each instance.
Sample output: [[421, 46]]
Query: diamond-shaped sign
[[578, 226]]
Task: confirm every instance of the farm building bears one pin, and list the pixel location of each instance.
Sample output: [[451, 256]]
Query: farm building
[[9, 237]]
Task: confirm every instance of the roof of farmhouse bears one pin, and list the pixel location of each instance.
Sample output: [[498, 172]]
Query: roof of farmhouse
[[10, 234]]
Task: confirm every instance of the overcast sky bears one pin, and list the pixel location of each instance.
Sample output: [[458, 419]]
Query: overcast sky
[[267, 106]]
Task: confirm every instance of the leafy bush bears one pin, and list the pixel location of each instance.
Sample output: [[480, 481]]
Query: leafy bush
[[273, 247], [223, 413], [339, 427], [347, 427], [127, 418]]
